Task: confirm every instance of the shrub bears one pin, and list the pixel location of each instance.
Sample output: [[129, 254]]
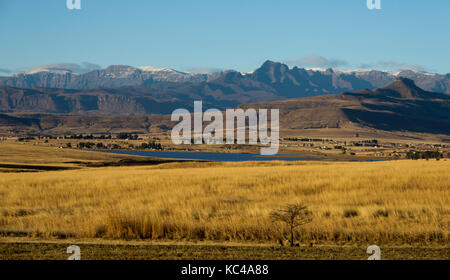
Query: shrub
[[350, 213]]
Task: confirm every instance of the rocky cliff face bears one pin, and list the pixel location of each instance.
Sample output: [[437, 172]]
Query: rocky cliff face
[[111, 77], [314, 82], [125, 90], [288, 82]]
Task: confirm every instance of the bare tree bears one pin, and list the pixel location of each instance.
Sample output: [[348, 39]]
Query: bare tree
[[294, 215]]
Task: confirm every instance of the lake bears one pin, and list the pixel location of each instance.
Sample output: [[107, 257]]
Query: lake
[[232, 157]]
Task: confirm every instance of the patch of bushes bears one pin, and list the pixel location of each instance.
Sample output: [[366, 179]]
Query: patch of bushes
[[424, 155], [381, 213], [350, 213], [85, 145], [151, 145]]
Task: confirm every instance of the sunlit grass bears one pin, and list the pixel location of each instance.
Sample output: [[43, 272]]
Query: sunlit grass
[[402, 202]]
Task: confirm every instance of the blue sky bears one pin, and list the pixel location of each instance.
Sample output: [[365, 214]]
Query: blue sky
[[226, 34]]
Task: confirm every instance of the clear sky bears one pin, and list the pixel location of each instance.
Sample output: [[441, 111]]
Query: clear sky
[[226, 34]]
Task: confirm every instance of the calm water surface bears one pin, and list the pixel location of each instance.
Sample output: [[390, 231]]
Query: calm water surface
[[236, 157]]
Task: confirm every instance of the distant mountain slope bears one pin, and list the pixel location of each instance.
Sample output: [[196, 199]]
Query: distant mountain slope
[[17, 123], [162, 98], [400, 106], [286, 82]]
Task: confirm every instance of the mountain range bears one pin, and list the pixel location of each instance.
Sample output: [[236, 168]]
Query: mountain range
[[288, 81], [126, 90], [399, 106]]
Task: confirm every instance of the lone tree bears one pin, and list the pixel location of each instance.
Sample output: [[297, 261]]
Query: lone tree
[[294, 215]]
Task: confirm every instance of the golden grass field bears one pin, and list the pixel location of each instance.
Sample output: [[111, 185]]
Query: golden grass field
[[185, 210], [395, 202]]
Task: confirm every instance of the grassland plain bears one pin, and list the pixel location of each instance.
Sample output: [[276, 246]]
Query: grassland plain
[[396, 202]]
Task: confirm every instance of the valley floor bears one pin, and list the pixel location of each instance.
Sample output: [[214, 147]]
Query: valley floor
[[202, 207]]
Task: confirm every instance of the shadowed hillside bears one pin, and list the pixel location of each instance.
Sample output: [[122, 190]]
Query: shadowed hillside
[[401, 106]]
